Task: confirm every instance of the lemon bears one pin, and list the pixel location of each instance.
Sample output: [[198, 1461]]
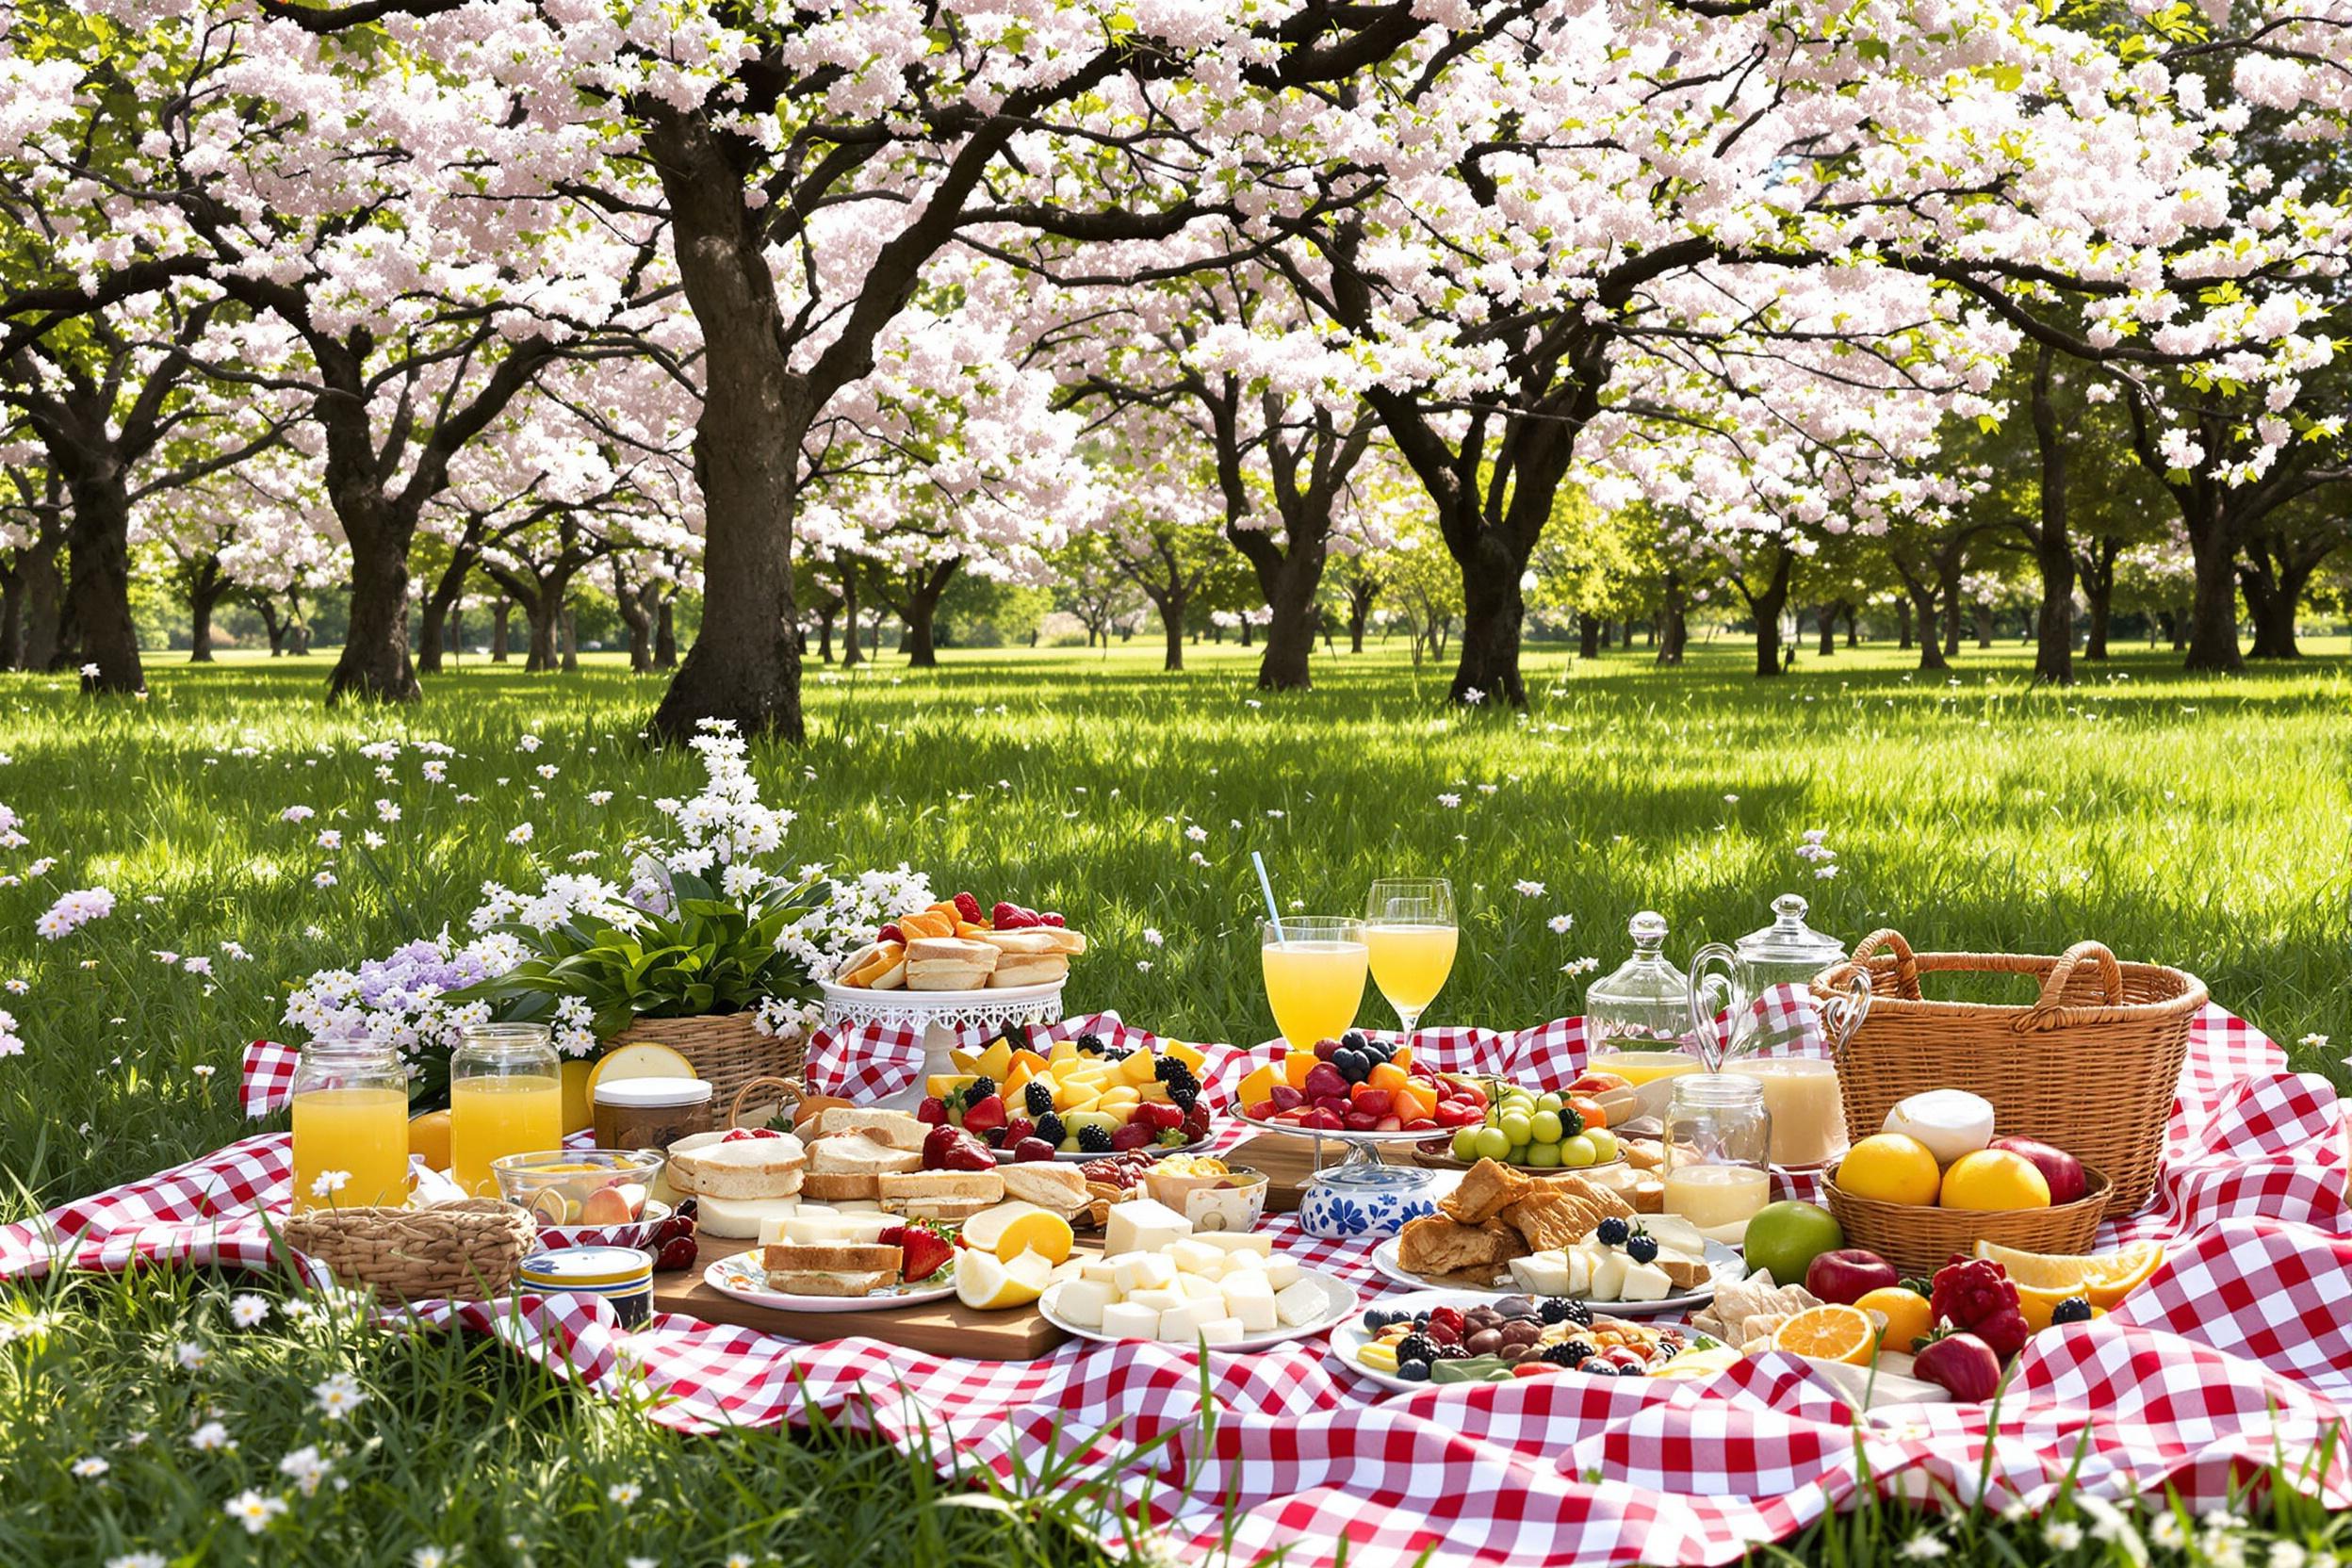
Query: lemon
[[1044, 1233], [1696, 1364], [988, 1284], [1907, 1312], [428, 1135], [1993, 1178], [1894, 1168], [642, 1060]]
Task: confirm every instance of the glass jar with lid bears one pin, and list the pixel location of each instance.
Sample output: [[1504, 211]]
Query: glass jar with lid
[[1718, 1150], [1637, 1019], [1787, 951], [350, 1126], [506, 1097]]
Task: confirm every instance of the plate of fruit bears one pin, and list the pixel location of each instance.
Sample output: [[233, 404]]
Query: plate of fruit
[[1360, 1089], [1081, 1099], [958, 947], [1410, 1342], [1541, 1132]]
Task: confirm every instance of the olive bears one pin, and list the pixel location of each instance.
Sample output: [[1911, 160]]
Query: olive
[[1484, 1343], [1515, 1306]]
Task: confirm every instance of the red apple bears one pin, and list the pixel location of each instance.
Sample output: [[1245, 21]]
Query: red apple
[[1849, 1274], [2062, 1170]]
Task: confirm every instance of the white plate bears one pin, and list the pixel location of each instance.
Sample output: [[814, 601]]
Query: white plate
[[1004, 1157], [1350, 1336], [1725, 1266], [736, 1275], [856, 996], [1340, 1298]]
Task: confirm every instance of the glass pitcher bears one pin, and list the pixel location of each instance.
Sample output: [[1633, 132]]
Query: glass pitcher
[[1802, 1092], [1637, 1019]]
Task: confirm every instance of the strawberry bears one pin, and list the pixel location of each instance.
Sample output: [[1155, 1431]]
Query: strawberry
[[967, 908], [921, 1250], [1050, 918], [891, 933], [1010, 917], [1134, 1136], [1028, 1150], [984, 1114], [966, 1152], [1018, 1128], [932, 1110], [936, 1144], [1196, 1120]]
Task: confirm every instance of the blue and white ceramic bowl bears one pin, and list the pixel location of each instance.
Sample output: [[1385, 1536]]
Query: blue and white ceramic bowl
[[1360, 1202]]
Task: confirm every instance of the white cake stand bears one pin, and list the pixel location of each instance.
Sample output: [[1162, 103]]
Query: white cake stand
[[941, 1018]]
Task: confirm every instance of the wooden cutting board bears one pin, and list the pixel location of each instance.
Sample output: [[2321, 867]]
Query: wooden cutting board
[[945, 1327]]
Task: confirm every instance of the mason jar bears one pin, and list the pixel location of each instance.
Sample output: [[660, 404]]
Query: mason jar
[[506, 1097]]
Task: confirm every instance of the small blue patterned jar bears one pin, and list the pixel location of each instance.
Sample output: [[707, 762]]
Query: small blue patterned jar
[[1360, 1200]]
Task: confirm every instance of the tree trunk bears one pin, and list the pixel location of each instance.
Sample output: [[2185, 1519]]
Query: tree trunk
[[636, 608], [569, 618], [1588, 636], [1674, 631], [824, 632], [2213, 644], [1249, 636], [665, 637], [45, 600], [1951, 607], [296, 624], [1902, 621], [11, 618], [431, 627], [1360, 594], [542, 612], [746, 664], [1290, 635], [851, 653], [266, 606], [1493, 612], [499, 633], [1854, 626], [1171, 607], [98, 581], [1767, 606], [1932, 656], [2101, 606], [921, 610], [375, 665], [1983, 626], [1827, 615], [204, 592]]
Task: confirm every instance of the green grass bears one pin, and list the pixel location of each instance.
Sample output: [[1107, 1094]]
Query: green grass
[[2201, 823]]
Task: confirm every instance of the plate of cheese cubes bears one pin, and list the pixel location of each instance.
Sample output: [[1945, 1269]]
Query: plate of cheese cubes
[[1649, 1263], [1225, 1290]]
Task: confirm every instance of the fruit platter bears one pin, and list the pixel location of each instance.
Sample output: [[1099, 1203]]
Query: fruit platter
[[957, 945], [1080, 1099], [1439, 1337]]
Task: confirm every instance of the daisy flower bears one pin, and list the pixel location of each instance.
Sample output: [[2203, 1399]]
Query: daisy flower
[[254, 1510]]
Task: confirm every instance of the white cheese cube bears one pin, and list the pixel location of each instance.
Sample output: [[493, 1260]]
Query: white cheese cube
[[1135, 1271], [1102, 1270], [1191, 1257], [1543, 1274], [1126, 1320], [1645, 1282], [1255, 1262], [1303, 1303], [1158, 1300], [1083, 1301], [1182, 1324], [1248, 1297], [1609, 1277], [1260, 1242], [1141, 1225], [1200, 1288], [1579, 1271], [1222, 1330], [1281, 1273]]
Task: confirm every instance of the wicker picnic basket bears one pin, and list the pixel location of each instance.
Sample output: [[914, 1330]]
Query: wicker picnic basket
[[726, 1049], [1920, 1239], [466, 1252], [2091, 1066]]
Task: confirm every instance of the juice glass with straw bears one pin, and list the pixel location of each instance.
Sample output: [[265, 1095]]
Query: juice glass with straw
[[506, 1097], [1315, 972], [1409, 928], [350, 1127]]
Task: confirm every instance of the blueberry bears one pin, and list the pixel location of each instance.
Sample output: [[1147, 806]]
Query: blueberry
[[1354, 1039], [2072, 1310], [1612, 1231], [1414, 1371], [1350, 1064]]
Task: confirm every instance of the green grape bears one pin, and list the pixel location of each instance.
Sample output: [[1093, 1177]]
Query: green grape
[[1543, 1156], [1603, 1144], [1517, 1128], [1543, 1127], [1466, 1143], [1493, 1143], [1577, 1152]]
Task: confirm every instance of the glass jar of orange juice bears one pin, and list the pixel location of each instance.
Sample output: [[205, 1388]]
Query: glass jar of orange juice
[[350, 1127], [506, 1097]]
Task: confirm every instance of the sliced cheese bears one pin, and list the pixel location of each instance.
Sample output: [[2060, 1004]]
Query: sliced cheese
[[1645, 1282], [1303, 1303], [1222, 1330], [1609, 1276], [742, 1218]]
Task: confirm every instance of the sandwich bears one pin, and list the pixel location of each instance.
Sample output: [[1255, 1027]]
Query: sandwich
[[1049, 1184], [876, 965], [898, 1129], [747, 1167], [831, 1268], [1028, 969], [949, 963]]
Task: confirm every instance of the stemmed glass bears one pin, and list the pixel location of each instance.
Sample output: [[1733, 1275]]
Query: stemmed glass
[[1408, 925]]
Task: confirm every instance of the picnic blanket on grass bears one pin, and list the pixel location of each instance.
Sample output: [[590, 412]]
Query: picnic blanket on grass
[[2236, 1356]]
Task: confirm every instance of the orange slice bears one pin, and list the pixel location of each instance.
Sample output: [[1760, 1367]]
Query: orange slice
[[1044, 1232], [2113, 1277], [2063, 1272], [1831, 1333]]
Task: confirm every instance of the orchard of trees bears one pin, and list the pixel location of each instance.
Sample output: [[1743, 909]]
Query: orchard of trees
[[1294, 321]]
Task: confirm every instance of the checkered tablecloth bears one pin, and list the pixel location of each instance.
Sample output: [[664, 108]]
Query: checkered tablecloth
[[2236, 1355]]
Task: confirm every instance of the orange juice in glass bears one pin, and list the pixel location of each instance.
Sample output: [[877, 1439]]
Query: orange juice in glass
[[351, 1128], [1315, 972], [506, 1097], [1408, 928]]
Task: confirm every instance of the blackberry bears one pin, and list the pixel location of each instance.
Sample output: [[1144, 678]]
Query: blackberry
[[1415, 1348], [1571, 1353], [1636, 1371], [1050, 1128], [1643, 1249], [1558, 1309], [1094, 1140], [1182, 1088], [1111, 1056], [1038, 1097], [1612, 1231], [2074, 1309], [1089, 1045], [1453, 1352], [979, 1090]]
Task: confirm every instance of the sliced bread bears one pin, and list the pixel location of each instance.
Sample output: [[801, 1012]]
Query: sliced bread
[[748, 1168], [898, 1129]]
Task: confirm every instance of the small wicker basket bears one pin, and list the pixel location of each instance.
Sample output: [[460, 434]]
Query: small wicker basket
[[465, 1251], [1920, 1239], [726, 1049], [2092, 1065]]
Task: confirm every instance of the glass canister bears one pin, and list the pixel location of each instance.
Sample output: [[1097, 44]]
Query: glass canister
[[1801, 1092], [506, 1097], [1637, 1019], [1718, 1150], [350, 1127], [650, 1112], [1787, 951]]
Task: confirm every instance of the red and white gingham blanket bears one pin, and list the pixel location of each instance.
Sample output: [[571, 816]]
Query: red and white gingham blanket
[[2237, 1355]]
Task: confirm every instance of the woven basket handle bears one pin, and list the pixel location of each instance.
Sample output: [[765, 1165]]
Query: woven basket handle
[[2050, 1011], [791, 1088], [1907, 962]]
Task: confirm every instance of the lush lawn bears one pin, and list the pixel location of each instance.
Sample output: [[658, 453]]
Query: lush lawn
[[2201, 823]]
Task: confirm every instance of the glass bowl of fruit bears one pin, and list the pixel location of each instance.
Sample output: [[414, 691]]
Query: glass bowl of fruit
[[580, 1186]]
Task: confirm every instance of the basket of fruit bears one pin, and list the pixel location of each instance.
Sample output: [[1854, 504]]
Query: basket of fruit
[[2091, 1066], [1936, 1183]]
